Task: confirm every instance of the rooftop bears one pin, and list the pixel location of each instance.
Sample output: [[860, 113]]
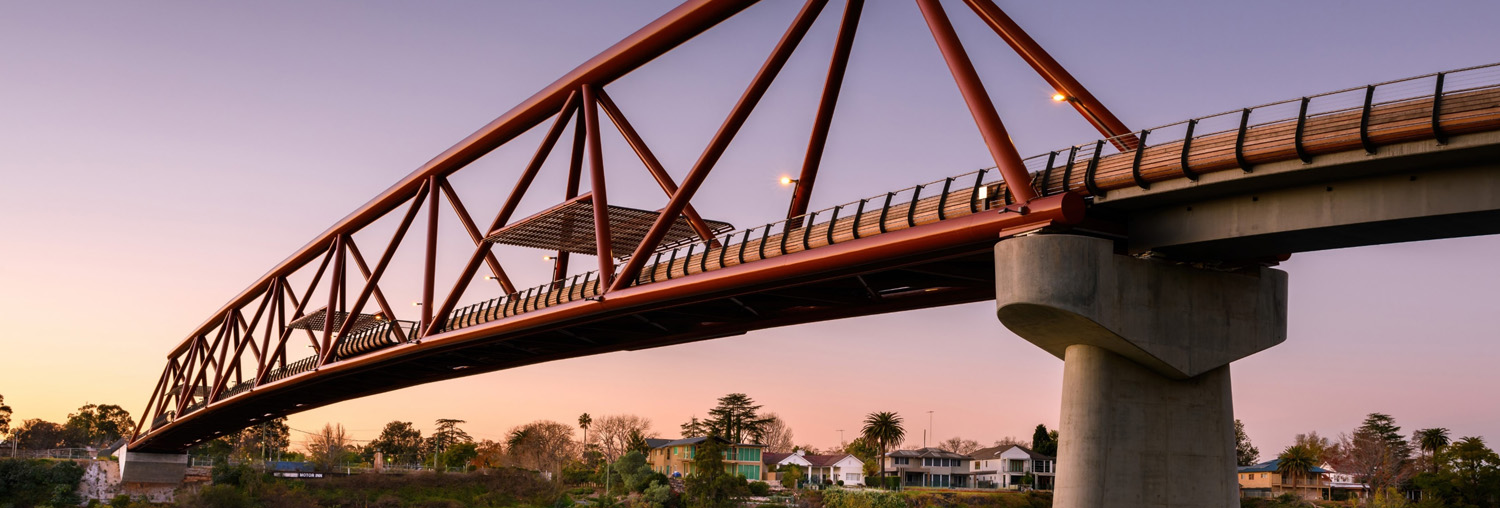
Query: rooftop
[[696, 440], [1270, 467], [994, 452], [928, 453]]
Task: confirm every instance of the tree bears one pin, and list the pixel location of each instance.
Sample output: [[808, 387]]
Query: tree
[[542, 445], [1371, 459], [959, 445], [735, 419], [1043, 441], [445, 436], [613, 433], [399, 443], [1245, 454], [1476, 470], [883, 428], [637, 443], [584, 420], [329, 448], [776, 435], [1009, 440], [38, 434], [1384, 427], [711, 485], [1321, 447], [460, 455], [1296, 461], [861, 449], [635, 473], [694, 428], [97, 425], [266, 440], [807, 449], [1430, 441], [4, 416], [488, 455]]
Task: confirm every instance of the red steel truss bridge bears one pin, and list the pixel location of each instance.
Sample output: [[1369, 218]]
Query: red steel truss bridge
[[1404, 160]]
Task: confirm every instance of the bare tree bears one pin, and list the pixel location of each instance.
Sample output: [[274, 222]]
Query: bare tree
[[776, 435], [330, 447], [959, 445], [543, 445], [613, 433], [1010, 440], [1371, 459]]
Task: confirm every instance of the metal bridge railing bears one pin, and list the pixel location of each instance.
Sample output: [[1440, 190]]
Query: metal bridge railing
[[1430, 106], [944, 199]]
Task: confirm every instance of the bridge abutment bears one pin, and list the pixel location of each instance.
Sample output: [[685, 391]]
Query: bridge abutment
[[158, 468], [1147, 413]]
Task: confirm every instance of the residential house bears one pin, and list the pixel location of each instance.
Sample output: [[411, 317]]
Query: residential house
[[1006, 467], [817, 468], [1262, 480], [675, 458], [929, 467]]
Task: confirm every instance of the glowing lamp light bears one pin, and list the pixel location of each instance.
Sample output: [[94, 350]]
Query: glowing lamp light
[[548, 258], [787, 180], [1057, 97]]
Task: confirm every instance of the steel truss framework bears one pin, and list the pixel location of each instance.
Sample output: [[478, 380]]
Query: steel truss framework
[[231, 356]]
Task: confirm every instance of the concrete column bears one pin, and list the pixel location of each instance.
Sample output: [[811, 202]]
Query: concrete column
[[1147, 414]]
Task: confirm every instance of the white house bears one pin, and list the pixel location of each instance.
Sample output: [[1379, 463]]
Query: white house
[[816, 468], [1005, 466]]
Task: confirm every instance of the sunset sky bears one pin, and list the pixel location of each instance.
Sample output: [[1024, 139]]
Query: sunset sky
[[156, 158]]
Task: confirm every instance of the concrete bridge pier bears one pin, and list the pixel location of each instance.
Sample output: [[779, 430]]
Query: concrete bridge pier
[[1147, 414]]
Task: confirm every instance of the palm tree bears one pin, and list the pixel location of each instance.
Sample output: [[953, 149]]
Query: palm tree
[[1296, 461], [584, 421], [1431, 441], [883, 429]]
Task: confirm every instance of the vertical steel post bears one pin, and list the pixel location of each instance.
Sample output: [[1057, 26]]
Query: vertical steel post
[[429, 270], [802, 193], [1007, 159], [597, 187]]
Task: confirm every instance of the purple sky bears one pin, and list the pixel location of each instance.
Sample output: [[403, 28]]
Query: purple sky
[[157, 158]]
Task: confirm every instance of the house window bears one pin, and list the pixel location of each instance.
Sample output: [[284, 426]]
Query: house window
[[902, 461]]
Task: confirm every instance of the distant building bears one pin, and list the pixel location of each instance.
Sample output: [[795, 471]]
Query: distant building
[[817, 468], [675, 458], [1006, 467], [929, 467], [1262, 480]]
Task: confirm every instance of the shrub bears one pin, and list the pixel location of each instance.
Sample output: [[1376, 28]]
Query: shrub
[[862, 499], [30, 482], [760, 488]]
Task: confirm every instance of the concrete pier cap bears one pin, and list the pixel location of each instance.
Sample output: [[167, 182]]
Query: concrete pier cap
[[1059, 290], [1147, 411]]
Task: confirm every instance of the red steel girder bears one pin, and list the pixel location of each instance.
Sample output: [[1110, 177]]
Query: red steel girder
[[1054, 73], [668, 31], [1007, 159]]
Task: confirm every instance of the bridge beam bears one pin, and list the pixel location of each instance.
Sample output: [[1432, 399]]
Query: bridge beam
[[1147, 414]]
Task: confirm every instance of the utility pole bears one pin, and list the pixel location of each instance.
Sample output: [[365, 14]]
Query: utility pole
[[929, 429]]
